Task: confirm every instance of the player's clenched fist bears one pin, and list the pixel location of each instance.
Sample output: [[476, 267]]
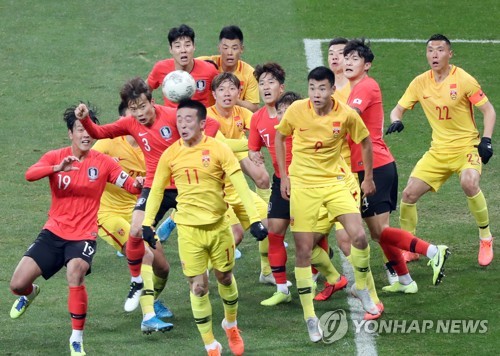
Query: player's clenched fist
[[81, 111]]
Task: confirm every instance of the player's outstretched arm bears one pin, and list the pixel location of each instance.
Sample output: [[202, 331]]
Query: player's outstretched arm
[[42, 168]]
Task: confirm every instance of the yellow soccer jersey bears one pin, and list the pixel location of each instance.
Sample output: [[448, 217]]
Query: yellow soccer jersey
[[342, 95], [114, 199], [448, 107], [232, 127], [199, 174], [244, 72], [317, 141]]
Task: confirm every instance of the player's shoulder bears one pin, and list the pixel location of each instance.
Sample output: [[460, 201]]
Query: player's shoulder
[[165, 112], [246, 67], [204, 66], [243, 111], [165, 64], [260, 113], [460, 73]]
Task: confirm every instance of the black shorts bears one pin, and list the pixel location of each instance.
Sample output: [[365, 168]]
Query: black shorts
[[278, 207], [385, 199], [169, 202], [51, 253]]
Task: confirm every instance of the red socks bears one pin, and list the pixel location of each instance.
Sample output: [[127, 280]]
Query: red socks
[[77, 306], [135, 252], [277, 257]]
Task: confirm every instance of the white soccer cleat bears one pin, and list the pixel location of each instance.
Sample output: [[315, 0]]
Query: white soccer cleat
[[132, 301], [314, 330], [269, 279], [366, 301]]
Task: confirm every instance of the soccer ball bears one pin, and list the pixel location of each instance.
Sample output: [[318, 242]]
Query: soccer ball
[[178, 85]]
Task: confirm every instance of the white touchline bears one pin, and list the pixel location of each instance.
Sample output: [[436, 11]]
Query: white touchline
[[365, 342], [314, 55]]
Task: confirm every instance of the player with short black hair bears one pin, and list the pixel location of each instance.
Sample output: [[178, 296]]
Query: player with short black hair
[[447, 94], [182, 47], [77, 176], [229, 60], [366, 99], [198, 164]]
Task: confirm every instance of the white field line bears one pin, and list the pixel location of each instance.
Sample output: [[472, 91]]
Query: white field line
[[365, 342], [314, 56]]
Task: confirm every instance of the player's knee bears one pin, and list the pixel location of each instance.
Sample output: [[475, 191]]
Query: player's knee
[[262, 181], [409, 197], [225, 279], [359, 239], [16, 287], [199, 289], [470, 186]]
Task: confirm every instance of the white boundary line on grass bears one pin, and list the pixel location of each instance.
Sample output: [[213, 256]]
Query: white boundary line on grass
[[315, 57]]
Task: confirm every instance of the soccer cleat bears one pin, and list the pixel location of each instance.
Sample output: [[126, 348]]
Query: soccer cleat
[[132, 301], [397, 287], [165, 229], [314, 330], [392, 276], [269, 279], [410, 256], [76, 348], [155, 324], [237, 254], [119, 254], [366, 301], [331, 288], [217, 351], [277, 298], [22, 303], [369, 316], [485, 255], [162, 311], [234, 339], [437, 263]]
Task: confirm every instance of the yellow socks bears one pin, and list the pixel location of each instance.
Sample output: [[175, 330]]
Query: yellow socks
[[147, 298], [321, 261], [265, 267], [265, 194], [303, 276], [479, 209], [408, 217], [159, 285], [361, 265], [202, 313], [229, 295]]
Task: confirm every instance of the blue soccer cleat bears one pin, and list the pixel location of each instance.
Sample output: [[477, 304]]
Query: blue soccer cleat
[[155, 324], [165, 229], [162, 311]]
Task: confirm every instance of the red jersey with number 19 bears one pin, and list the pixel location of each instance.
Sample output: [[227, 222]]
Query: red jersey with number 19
[[367, 98], [263, 132], [76, 194]]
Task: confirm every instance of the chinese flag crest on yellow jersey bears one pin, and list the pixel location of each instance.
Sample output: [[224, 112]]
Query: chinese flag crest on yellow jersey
[[205, 158]]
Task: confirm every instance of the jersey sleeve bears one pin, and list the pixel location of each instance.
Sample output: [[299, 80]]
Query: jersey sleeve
[[410, 96], [285, 127], [356, 127], [115, 129], [160, 182], [247, 117], [252, 91], [154, 77], [473, 91], [254, 139], [43, 168], [211, 127]]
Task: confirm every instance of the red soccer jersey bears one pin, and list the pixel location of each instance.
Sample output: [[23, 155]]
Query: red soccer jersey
[[367, 98], [152, 140], [202, 72], [76, 194], [262, 133]]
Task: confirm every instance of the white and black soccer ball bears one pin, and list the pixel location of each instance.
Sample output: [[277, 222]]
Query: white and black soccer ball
[[178, 85]]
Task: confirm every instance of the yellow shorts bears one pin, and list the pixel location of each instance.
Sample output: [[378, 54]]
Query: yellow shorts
[[352, 181], [114, 229], [199, 244], [236, 213], [435, 168], [305, 204]]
